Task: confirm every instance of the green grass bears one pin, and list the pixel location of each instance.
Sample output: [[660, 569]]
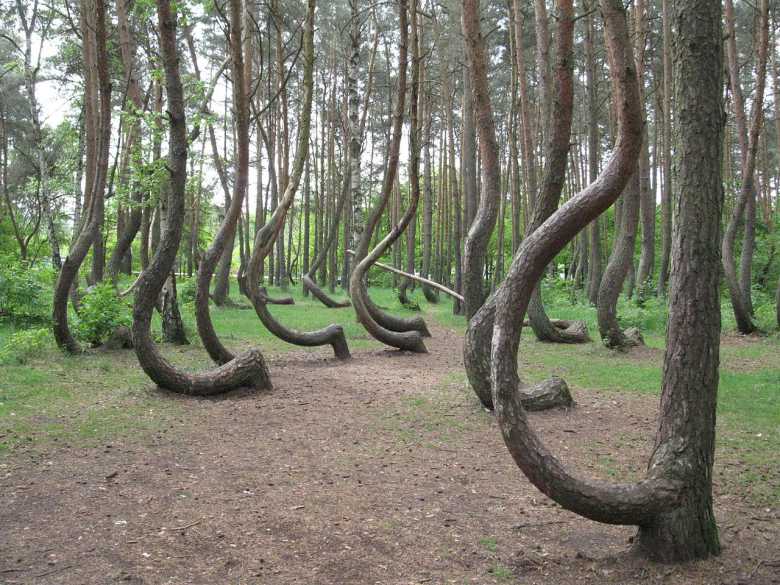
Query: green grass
[[93, 397]]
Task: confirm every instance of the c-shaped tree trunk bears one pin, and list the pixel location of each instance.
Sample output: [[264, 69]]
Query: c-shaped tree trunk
[[374, 320], [558, 145], [249, 368], [617, 268], [479, 233], [265, 238], [673, 505], [309, 279], [739, 290], [94, 41]]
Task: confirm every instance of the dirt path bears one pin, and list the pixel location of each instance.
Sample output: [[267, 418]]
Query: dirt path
[[381, 471]]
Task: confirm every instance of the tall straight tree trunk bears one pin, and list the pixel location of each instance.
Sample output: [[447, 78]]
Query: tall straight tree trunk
[[527, 142], [690, 381], [646, 196], [428, 201], [666, 193], [595, 266]]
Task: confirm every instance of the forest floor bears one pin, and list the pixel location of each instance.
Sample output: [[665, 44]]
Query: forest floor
[[380, 470]]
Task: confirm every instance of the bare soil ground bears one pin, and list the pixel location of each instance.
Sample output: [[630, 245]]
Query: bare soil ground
[[383, 470]]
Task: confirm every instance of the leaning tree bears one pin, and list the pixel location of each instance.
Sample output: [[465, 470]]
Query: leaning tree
[[672, 505]]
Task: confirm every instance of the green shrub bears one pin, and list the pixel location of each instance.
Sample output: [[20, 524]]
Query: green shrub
[[185, 289], [25, 345], [102, 312], [25, 292]]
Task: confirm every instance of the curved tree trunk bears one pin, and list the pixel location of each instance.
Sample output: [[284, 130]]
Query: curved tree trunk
[[96, 61], [367, 312], [580, 210], [265, 238], [248, 369], [486, 214], [127, 47], [749, 147], [617, 269], [217, 254], [619, 504], [309, 280], [558, 145]]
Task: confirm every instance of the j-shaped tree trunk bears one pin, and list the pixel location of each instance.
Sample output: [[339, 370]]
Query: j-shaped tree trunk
[[558, 146], [367, 313], [265, 238], [486, 214], [246, 370], [93, 28], [217, 254], [578, 211], [309, 279], [739, 290], [127, 46], [618, 267], [672, 505]]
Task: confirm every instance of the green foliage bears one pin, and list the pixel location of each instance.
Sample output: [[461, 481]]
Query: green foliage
[[25, 345], [186, 288], [102, 311], [25, 291]]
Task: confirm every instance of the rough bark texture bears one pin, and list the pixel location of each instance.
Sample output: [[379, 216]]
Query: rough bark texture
[[248, 369], [636, 503], [481, 228], [685, 443]]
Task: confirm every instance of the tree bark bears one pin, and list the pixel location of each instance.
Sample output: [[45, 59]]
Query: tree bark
[[578, 211], [558, 146], [685, 442], [666, 193], [482, 227], [595, 266], [93, 29], [408, 340], [249, 368], [739, 290]]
